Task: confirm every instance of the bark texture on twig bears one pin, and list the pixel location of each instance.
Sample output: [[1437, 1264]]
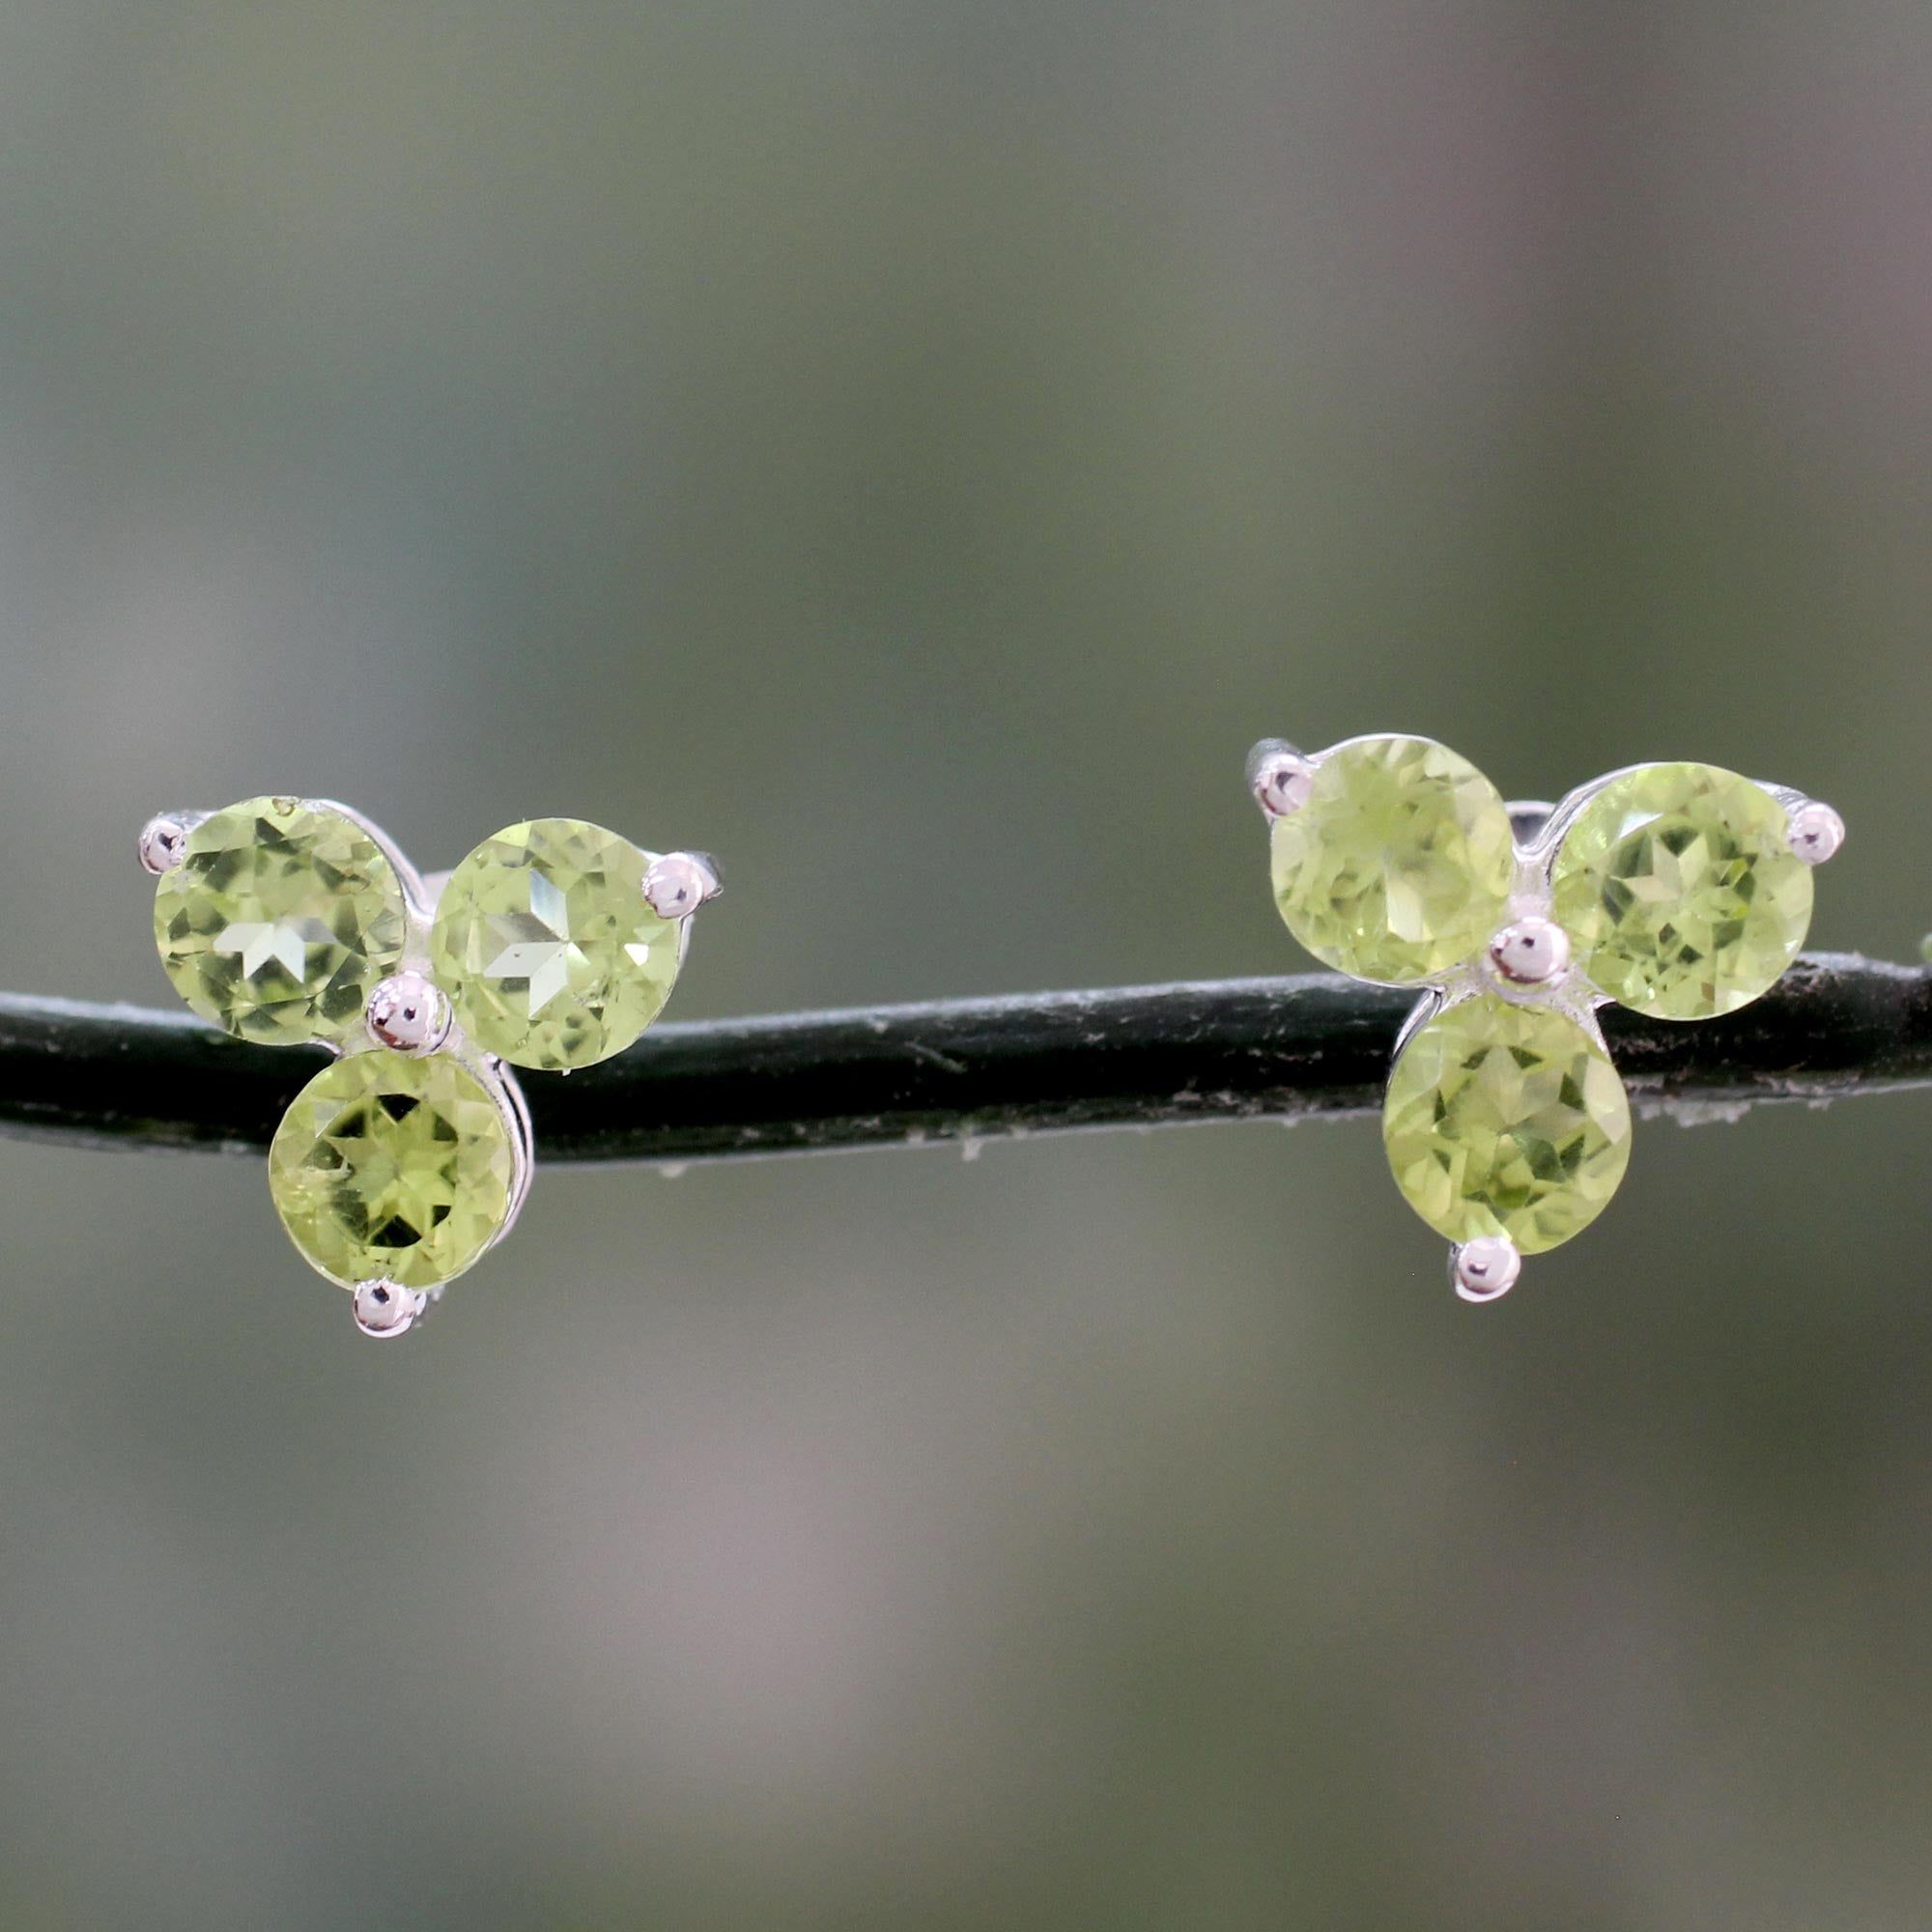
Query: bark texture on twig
[[1837, 1025]]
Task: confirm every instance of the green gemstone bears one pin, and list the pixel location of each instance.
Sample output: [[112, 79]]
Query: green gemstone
[[546, 947], [1399, 865], [393, 1168], [279, 920], [1506, 1120], [1680, 893]]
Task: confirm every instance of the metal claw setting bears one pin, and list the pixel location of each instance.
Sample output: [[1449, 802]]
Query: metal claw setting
[[1678, 891], [289, 921]]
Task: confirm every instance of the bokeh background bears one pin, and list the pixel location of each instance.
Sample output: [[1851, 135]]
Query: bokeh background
[[912, 449]]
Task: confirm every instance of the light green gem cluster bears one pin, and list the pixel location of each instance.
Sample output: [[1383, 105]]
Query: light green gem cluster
[[1399, 865], [1682, 899], [391, 1168], [548, 948], [1506, 1120], [279, 920], [1680, 891], [278, 923]]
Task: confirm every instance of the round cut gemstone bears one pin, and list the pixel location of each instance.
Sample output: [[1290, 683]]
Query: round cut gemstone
[[279, 920], [1681, 892], [387, 1167], [1506, 1120], [547, 947], [1399, 862]]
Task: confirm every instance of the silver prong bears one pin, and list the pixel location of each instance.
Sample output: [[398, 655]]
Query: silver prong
[[1816, 831], [677, 883], [1279, 776], [1486, 1267], [1529, 952], [385, 1308], [410, 1013], [163, 843]]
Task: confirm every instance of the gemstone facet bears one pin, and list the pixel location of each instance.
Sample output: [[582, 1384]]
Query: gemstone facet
[[1398, 864], [279, 920], [1681, 892], [546, 947], [392, 1168], [1506, 1120]]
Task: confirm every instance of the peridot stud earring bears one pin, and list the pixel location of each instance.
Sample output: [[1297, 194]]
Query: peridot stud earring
[[1678, 891], [289, 921]]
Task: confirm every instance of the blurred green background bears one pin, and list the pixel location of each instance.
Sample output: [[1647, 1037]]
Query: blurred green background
[[912, 450]]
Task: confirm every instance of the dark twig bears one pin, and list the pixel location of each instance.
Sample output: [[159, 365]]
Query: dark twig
[[1836, 1026]]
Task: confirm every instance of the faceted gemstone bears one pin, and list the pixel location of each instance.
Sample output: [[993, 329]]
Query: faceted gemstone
[[547, 947], [279, 920], [391, 1167], [1506, 1120], [1399, 864], [1680, 891]]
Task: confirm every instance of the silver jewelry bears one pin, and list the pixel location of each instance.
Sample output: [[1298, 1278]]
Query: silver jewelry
[[295, 921], [1681, 891]]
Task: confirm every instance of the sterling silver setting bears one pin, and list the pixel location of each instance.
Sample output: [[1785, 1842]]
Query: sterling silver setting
[[1279, 776], [382, 1309], [1482, 1269], [1817, 832], [1529, 955], [408, 1013], [1528, 959], [677, 883], [163, 840]]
